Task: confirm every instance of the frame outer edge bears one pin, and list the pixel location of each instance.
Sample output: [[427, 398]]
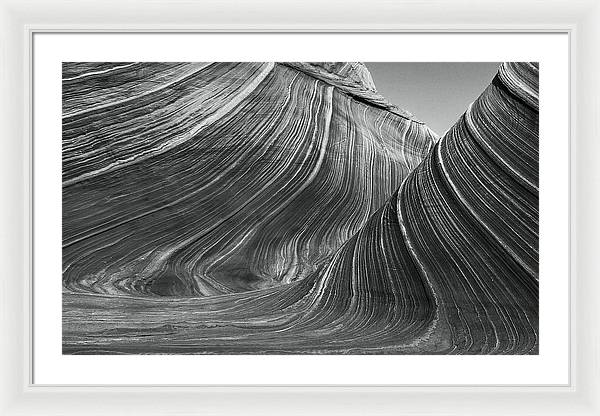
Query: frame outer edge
[[17, 398], [14, 190], [587, 206]]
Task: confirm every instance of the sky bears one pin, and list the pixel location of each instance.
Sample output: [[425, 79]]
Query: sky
[[437, 93]]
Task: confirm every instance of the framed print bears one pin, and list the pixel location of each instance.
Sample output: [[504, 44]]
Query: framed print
[[277, 216]]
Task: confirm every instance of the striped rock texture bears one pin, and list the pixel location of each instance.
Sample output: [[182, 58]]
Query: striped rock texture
[[289, 208]]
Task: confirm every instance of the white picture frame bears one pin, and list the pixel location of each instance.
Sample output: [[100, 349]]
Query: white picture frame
[[20, 20]]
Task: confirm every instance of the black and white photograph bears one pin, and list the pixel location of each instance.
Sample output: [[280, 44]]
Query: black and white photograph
[[285, 208]]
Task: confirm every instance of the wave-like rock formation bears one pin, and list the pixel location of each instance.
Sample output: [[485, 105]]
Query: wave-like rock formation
[[240, 208], [203, 179]]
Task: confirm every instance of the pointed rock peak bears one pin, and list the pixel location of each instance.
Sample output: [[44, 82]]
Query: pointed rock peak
[[352, 78], [356, 72]]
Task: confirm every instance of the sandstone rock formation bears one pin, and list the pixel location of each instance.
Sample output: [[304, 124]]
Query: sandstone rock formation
[[290, 208]]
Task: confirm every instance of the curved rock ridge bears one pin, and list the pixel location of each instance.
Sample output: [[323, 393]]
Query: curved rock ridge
[[198, 179], [349, 73], [354, 79], [447, 265]]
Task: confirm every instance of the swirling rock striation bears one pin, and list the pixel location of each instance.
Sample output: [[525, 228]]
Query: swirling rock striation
[[288, 208], [202, 179]]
